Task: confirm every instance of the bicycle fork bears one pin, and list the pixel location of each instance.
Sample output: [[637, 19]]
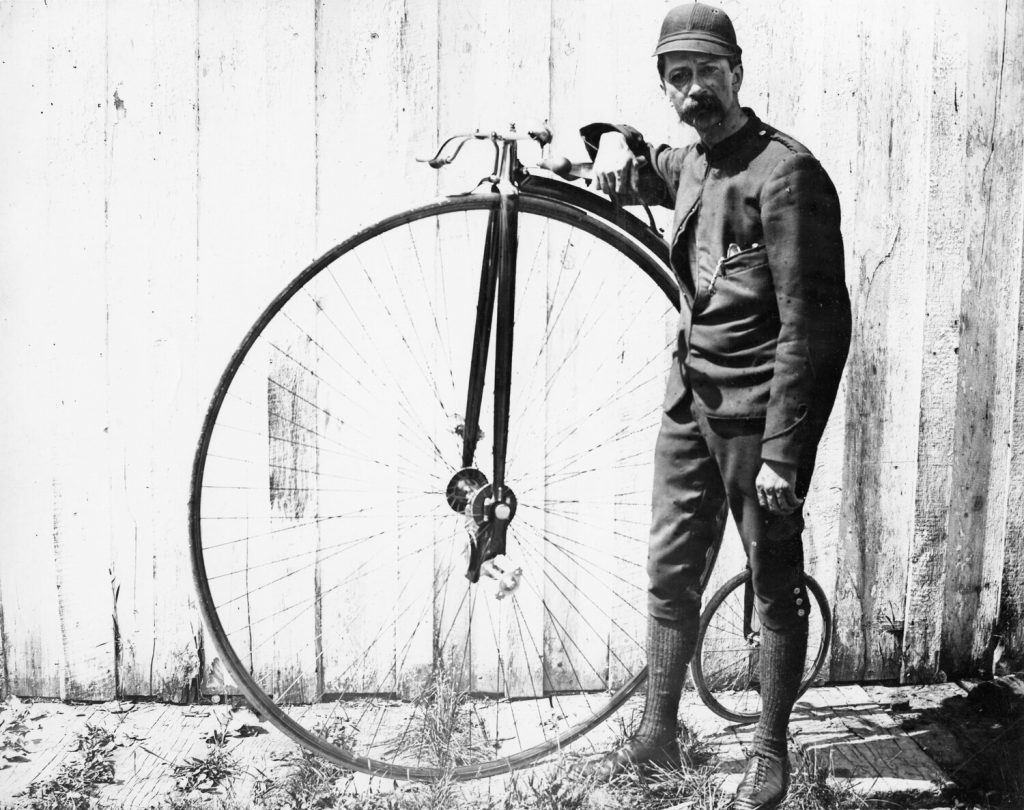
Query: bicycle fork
[[491, 505]]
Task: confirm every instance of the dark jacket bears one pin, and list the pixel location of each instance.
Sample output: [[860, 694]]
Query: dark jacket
[[763, 334]]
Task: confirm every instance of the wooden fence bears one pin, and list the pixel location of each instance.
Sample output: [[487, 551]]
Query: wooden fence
[[166, 167]]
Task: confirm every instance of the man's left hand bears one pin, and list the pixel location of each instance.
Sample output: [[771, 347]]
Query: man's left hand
[[776, 487]]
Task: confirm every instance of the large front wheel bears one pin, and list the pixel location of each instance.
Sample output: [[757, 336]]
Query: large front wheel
[[332, 509]]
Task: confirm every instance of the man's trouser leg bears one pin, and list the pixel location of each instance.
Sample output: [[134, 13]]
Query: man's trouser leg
[[775, 553], [686, 522]]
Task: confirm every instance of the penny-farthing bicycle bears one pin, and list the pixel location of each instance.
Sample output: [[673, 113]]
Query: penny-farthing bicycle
[[421, 495]]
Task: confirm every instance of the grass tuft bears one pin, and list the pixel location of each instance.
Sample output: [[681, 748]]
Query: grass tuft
[[557, 786], [310, 781], [196, 801], [76, 785], [814, 786], [211, 773], [445, 733]]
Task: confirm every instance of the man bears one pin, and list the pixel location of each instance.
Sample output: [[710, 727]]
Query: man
[[763, 335]]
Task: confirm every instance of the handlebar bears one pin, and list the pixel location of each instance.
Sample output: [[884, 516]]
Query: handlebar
[[505, 161], [542, 136]]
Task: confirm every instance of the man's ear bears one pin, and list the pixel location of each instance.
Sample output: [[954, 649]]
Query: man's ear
[[737, 77]]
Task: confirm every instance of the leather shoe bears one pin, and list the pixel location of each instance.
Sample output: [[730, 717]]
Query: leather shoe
[[635, 755], [764, 783]]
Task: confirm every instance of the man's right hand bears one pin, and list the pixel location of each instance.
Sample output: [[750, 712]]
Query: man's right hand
[[616, 169]]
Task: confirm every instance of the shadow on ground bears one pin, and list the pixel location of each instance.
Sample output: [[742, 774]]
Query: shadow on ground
[[978, 739]]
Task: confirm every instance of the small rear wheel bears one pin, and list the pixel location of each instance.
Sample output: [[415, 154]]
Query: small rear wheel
[[726, 664]]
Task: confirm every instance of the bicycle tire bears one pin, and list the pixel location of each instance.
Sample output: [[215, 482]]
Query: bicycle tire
[[726, 676], [216, 501]]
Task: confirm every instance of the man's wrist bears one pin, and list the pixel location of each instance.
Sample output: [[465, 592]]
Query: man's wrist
[[783, 469]]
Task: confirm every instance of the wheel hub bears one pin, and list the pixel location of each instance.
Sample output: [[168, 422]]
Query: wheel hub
[[469, 493], [463, 488]]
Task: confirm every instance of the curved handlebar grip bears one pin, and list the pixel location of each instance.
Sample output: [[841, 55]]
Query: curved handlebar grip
[[541, 135], [564, 167], [561, 166]]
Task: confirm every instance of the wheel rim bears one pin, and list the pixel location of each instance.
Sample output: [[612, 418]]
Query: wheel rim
[[325, 553], [727, 662]]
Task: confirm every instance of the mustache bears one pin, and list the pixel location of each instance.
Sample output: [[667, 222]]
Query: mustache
[[705, 101]]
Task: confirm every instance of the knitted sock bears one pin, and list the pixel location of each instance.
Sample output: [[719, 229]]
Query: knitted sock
[[669, 649], [782, 667]]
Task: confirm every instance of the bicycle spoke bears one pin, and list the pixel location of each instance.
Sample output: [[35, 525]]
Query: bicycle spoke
[[330, 557]]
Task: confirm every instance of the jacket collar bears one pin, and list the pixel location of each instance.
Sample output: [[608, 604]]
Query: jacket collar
[[727, 146]]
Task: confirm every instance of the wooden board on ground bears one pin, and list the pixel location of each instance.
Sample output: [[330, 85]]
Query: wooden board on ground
[[844, 728], [855, 731], [51, 730]]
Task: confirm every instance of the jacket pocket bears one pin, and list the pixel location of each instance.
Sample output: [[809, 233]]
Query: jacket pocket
[[741, 288], [750, 258]]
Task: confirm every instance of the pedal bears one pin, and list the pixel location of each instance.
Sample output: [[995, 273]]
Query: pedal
[[507, 576]]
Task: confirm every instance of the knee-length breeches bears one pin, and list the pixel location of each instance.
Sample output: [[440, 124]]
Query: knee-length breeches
[[700, 466]]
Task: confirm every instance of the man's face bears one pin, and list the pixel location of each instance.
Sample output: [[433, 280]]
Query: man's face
[[701, 88]]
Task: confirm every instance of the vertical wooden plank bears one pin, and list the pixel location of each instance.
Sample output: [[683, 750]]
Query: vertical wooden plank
[[256, 168], [377, 84], [74, 257], [946, 260], [27, 573], [294, 444], [1011, 612], [493, 71], [376, 78], [988, 339], [595, 77], [888, 303], [151, 238]]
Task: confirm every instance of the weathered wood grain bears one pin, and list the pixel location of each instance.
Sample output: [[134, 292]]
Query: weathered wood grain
[[32, 641], [1011, 611], [371, 122], [946, 262], [174, 164], [150, 127], [74, 261], [884, 369], [988, 338], [256, 191], [844, 728]]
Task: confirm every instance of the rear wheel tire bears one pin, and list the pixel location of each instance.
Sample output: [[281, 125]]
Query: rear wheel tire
[[726, 664]]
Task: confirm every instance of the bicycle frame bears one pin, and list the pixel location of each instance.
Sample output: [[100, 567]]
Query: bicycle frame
[[492, 505]]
